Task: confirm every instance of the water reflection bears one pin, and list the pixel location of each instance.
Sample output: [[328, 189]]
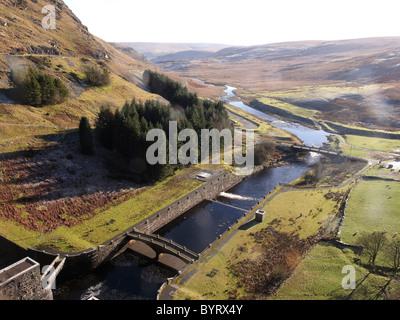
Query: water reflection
[[201, 225], [259, 185]]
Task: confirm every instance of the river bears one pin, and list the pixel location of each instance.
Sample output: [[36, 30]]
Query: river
[[310, 137], [129, 277]]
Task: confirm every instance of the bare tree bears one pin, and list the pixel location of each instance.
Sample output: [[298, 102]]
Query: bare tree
[[393, 255], [373, 245]]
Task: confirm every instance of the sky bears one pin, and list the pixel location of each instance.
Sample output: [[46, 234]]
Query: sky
[[237, 22]]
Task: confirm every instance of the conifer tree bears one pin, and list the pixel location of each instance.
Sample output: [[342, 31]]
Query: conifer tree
[[48, 89], [61, 91], [33, 94], [85, 136], [105, 128]]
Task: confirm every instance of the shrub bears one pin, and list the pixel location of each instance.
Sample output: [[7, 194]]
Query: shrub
[[40, 62], [97, 77]]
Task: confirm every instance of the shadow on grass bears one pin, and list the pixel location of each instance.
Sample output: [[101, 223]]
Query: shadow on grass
[[382, 290], [339, 294], [359, 283], [249, 225]]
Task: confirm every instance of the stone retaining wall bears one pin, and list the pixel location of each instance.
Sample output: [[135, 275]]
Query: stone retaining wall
[[23, 282], [222, 182]]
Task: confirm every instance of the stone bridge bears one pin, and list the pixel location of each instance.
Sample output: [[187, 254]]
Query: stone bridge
[[164, 251], [317, 150], [310, 149]]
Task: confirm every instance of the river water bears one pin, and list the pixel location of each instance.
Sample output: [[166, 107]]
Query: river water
[[129, 277], [310, 137]]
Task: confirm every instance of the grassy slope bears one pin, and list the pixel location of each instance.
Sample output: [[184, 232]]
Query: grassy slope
[[24, 122], [97, 230], [23, 127], [68, 43], [288, 107], [319, 277]]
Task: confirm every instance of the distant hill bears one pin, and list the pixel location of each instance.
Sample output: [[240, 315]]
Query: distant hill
[[355, 81], [346, 60], [153, 50]]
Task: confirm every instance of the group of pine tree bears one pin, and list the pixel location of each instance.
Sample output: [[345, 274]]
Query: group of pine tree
[[124, 131], [39, 89]]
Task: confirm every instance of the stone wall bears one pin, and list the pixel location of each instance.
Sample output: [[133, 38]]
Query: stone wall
[[22, 281], [81, 262], [222, 182]]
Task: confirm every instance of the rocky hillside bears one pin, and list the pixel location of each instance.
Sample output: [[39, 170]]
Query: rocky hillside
[[64, 53]]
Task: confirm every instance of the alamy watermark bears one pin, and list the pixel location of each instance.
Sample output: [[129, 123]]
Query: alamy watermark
[[49, 21], [233, 145], [349, 281]]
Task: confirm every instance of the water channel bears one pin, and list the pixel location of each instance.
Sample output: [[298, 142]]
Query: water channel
[[129, 277]]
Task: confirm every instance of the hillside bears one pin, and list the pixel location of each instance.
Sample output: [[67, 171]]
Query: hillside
[[63, 53], [355, 82], [48, 186]]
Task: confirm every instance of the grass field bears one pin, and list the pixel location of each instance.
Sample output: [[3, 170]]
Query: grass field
[[373, 205], [337, 144], [319, 277], [366, 147], [377, 144]]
